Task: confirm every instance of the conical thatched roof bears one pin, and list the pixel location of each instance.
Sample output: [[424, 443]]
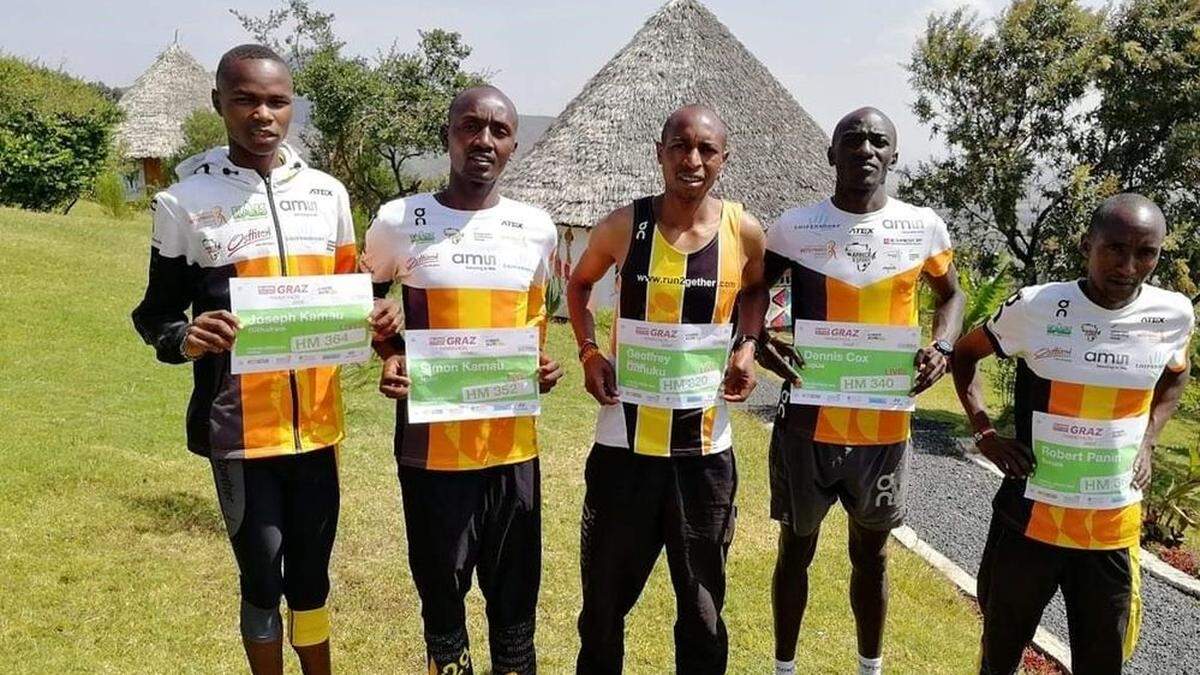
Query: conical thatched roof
[[160, 100], [599, 154]]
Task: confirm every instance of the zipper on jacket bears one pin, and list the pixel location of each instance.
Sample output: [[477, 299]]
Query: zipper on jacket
[[283, 266]]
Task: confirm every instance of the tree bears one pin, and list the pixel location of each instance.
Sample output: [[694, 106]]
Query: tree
[[202, 130], [55, 135], [1050, 109], [371, 115]]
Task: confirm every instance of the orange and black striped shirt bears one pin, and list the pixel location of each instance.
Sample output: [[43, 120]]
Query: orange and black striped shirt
[[858, 268]]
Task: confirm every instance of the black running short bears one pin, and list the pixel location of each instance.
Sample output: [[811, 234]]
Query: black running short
[[1017, 578], [807, 477]]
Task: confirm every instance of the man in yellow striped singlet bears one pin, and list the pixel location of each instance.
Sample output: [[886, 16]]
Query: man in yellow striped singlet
[[856, 260], [661, 472], [1101, 365]]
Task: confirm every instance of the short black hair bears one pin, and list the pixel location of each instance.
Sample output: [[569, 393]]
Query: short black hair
[[244, 52]]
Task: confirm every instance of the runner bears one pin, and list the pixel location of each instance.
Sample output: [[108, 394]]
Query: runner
[[855, 261], [467, 258], [1101, 364], [271, 437], [661, 472]]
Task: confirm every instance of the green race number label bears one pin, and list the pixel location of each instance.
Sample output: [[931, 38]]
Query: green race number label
[[855, 365], [472, 374], [1085, 464], [667, 365], [291, 323]]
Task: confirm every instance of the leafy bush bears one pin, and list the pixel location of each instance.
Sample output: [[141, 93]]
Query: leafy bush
[[202, 130], [55, 135], [1169, 507], [109, 193]]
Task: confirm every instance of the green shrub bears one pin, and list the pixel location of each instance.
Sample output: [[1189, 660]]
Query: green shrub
[[109, 193], [1169, 505], [202, 130], [55, 135]]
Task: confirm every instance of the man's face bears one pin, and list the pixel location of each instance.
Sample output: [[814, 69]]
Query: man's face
[[691, 155], [863, 150], [1120, 256], [480, 137], [255, 100]]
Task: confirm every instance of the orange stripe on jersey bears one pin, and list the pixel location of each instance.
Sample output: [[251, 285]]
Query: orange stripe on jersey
[[266, 266], [729, 270], [442, 306], [706, 429], [841, 301], [1132, 403], [345, 259], [506, 309], [266, 412], [903, 302], [938, 264], [535, 311], [475, 309]]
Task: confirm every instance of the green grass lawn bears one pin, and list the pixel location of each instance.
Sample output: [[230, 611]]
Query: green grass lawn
[[114, 556]]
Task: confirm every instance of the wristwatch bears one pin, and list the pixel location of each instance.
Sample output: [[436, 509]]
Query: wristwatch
[[944, 347], [587, 349]]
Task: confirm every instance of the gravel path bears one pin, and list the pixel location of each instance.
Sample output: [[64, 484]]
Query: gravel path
[[950, 508]]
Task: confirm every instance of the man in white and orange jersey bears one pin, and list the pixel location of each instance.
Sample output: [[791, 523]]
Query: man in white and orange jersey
[[661, 473], [1101, 364], [468, 258], [255, 209], [856, 261]]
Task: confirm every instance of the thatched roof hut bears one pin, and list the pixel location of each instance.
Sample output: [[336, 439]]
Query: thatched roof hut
[[157, 105], [599, 153]]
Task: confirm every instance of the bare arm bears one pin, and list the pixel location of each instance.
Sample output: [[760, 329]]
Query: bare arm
[[1167, 392], [1013, 458], [740, 377], [606, 247], [947, 323]]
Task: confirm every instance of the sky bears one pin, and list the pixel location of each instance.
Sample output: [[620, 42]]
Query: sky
[[833, 56]]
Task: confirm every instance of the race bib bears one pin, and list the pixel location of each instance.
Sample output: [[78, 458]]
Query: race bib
[[472, 374], [668, 365], [292, 323], [855, 365], [1085, 464]]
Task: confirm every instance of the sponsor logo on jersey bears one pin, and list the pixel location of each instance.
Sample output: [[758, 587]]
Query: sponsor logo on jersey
[[453, 234], [419, 219], [213, 217], [1105, 359], [423, 260], [642, 230], [251, 237], [1063, 306], [1056, 353], [300, 207], [211, 247], [1118, 334], [820, 222], [251, 211], [1153, 319], [475, 261], [861, 253], [1090, 331], [421, 238], [513, 224], [903, 225], [826, 251], [1058, 330], [861, 231], [321, 191], [482, 236], [903, 241]]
